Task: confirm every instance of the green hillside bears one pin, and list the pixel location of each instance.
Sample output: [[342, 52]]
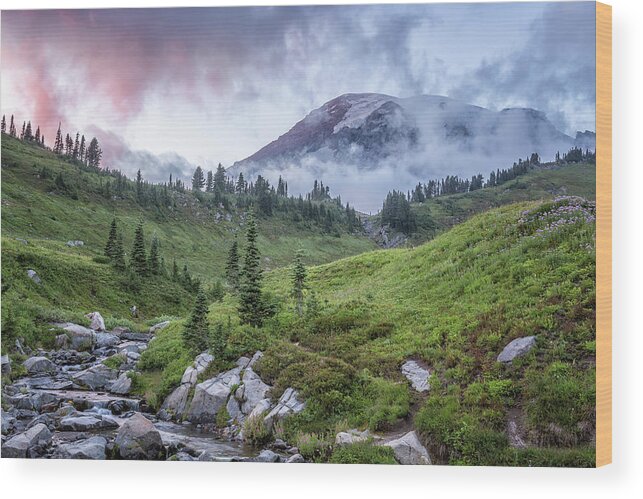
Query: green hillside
[[452, 304], [191, 230], [435, 215]]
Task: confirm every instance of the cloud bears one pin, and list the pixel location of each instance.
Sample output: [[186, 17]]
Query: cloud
[[118, 155], [554, 72]]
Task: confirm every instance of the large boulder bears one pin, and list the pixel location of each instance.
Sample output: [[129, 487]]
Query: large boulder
[[105, 340], [122, 385], [139, 439], [39, 365], [98, 377], [80, 337], [176, 403], [92, 448], [351, 437], [516, 348], [252, 391], [211, 395], [288, 404], [132, 347], [158, 327], [267, 456], [75, 244], [409, 450], [417, 375], [97, 322], [19, 445], [86, 422]]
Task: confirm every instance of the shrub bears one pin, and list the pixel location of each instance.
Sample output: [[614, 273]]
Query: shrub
[[222, 418], [362, 453], [255, 431], [315, 447]]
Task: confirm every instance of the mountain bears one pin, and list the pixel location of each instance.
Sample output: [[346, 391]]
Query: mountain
[[420, 137]]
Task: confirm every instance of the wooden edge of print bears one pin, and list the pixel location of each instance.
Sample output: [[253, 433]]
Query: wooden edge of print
[[603, 234]]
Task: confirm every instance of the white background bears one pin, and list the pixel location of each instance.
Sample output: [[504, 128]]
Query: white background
[[624, 478]]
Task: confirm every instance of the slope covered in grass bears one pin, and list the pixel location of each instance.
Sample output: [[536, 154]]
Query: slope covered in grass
[[190, 231], [436, 215], [451, 304]]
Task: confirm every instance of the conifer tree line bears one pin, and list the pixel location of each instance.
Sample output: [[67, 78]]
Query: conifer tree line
[[75, 148]]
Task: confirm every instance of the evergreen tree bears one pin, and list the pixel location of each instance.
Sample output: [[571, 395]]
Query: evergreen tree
[[12, 127], [232, 266], [250, 299], [138, 259], [111, 240], [299, 282], [175, 271], [28, 134], [22, 133], [154, 264], [58, 145], [3, 125], [198, 180], [81, 150], [196, 329], [209, 183], [36, 137], [76, 151], [216, 291], [241, 184], [139, 186], [218, 181], [218, 342], [94, 152]]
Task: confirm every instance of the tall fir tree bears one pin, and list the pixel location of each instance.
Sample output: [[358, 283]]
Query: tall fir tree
[[94, 153], [154, 262], [12, 127], [138, 258], [251, 310], [196, 331], [3, 126], [299, 282], [81, 150], [219, 180], [175, 271], [111, 240], [58, 144], [232, 266], [198, 180], [139, 186], [209, 183]]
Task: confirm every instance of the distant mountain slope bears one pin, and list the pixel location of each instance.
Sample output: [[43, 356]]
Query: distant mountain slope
[[365, 130]]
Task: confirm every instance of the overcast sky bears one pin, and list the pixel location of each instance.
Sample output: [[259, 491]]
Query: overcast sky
[[166, 89]]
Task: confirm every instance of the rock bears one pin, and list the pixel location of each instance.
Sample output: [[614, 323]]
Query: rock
[[38, 365], [267, 456], [296, 458], [33, 275], [132, 347], [288, 404], [176, 403], [21, 350], [5, 363], [211, 395], [157, 327], [98, 377], [19, 445], [251, 392], [129, 335], [409, 450], [234, 410], [75, 244], [81, 338], [122, 385], [97, 322], [262, 407], [279, 444], [62, 342], [516, 348], [8, 422], [105, 340], [92, 448], [351, 437], [86, 422], [417, 375], [255, 358], [139, 439], [23, 241]]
